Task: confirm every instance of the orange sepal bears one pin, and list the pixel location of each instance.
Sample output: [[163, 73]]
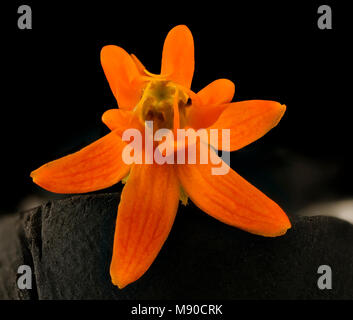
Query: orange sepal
[[213, 101], [123, 76], [140, 67], [217, 92], [232, 200], [247, 121], [95, 167], [205, 116], [178, 60], [146, 213], [121, 120]]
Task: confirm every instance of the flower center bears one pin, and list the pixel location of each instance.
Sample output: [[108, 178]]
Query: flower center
[[163, 102]]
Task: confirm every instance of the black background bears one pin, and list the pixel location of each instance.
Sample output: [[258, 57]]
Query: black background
[[54, 90]]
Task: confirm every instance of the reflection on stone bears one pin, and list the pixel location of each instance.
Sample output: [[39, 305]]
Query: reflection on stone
[[342, 209]]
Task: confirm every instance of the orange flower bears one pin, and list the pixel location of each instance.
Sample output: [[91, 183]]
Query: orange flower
[[150, 197]]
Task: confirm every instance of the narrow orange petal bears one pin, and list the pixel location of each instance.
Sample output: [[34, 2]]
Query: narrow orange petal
[[202, 117], [120, 120], [214, 98], [146, 213], [217, 92], [178, 60], [123, 76], [232, 200], [97, 166], [248, 121], [141, 68]]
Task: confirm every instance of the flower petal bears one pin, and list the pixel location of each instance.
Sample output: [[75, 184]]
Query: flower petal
[[248, 121], [97, 166], [214, 99], [146, 213], [217, 92], [141, 68], [178, 56], [120, 120], [123, 76], [204, 116], [232, 200]]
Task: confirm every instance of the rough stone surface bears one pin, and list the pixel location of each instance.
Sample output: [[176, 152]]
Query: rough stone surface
[[68, 243]]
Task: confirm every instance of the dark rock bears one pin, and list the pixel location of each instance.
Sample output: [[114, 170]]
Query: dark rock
[[13, 253], [68, 243]]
